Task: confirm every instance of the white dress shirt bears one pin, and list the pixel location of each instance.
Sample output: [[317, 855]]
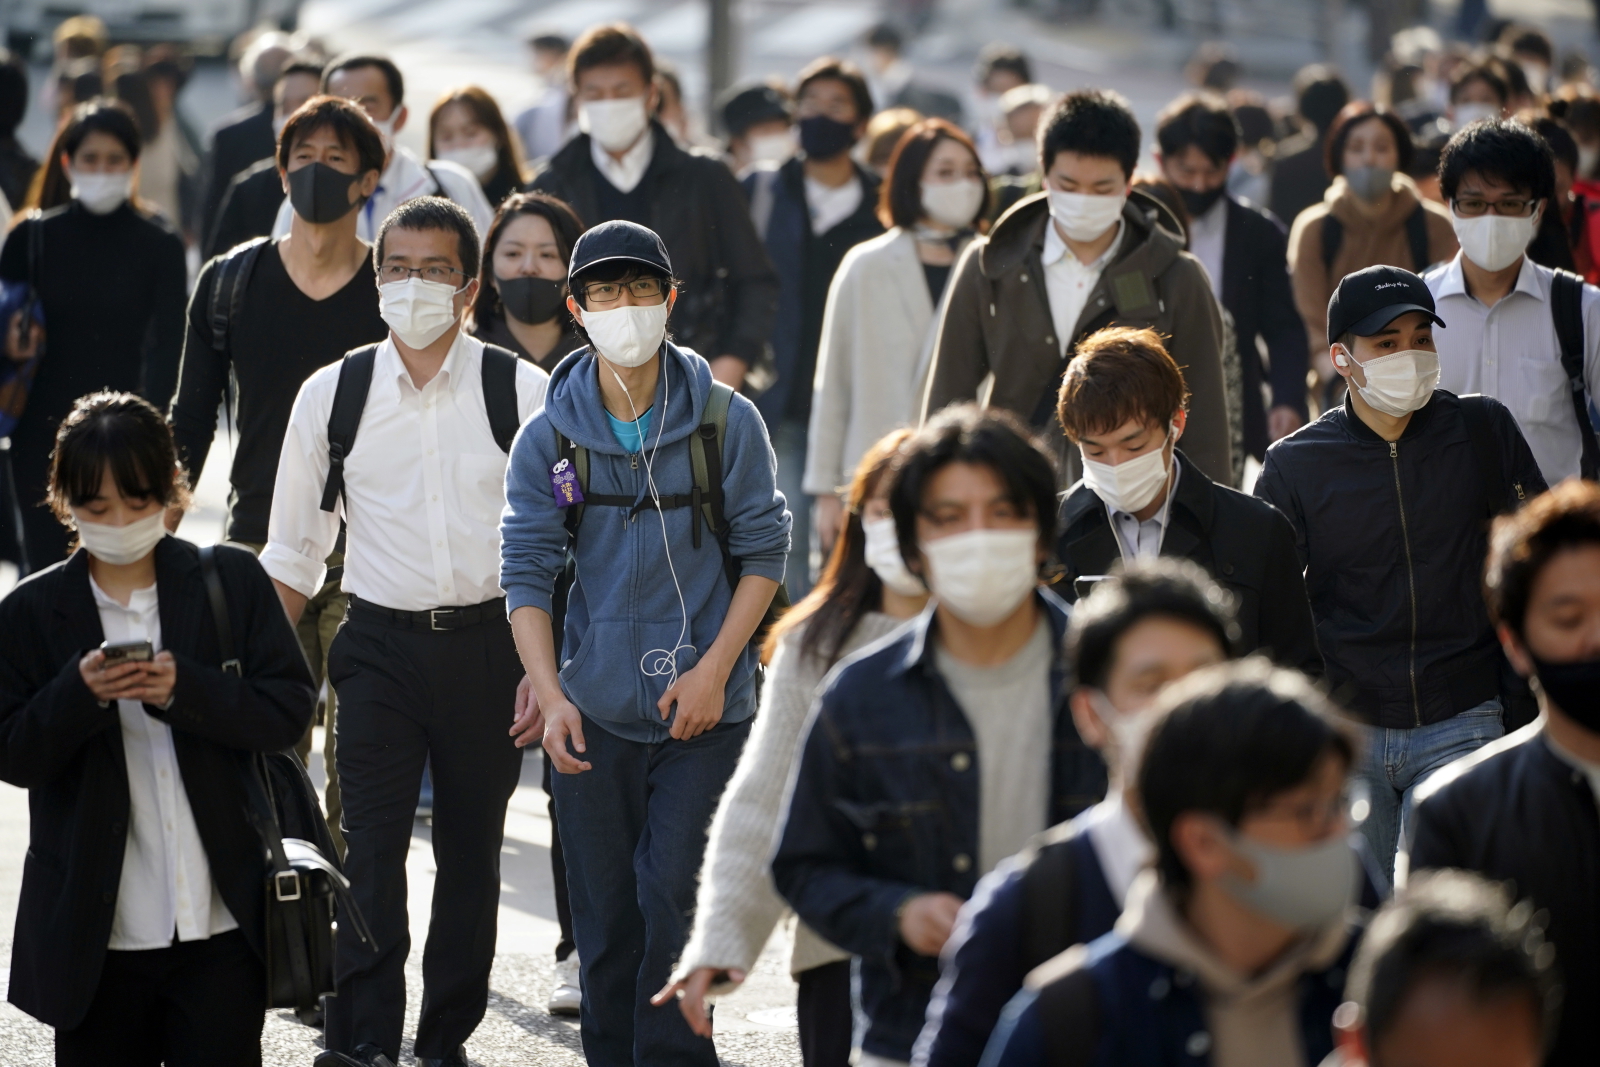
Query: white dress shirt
[[1142, 540], [424, 485], [405, 178], [166, 881], [1068, 282], [1510, 352], [830, 205], [625, 173], [1207, 233]]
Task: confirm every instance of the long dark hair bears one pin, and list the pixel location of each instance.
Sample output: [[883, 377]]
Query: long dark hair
[[848, 588], [564, 223], [51, 187], [507, 150]]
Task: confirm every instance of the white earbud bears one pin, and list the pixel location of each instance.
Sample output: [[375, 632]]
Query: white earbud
[[1339, 360]]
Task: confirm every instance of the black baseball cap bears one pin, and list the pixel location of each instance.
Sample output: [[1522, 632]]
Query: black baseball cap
[[619, 240], [1371, 299], [745, 105]]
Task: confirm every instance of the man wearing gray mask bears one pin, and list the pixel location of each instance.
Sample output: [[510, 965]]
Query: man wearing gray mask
[[1389, 495]]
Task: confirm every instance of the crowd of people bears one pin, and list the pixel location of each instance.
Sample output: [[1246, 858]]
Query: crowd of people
[[948, 622]]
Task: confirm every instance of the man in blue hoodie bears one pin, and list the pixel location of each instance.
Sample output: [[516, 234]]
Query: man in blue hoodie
[[646, 714]]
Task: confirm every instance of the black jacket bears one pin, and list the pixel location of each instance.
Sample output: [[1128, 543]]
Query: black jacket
[[1244, 543], [57, 742], [242, 138], [1256, 292], [1393, 537], [249, 208], [1516, 812], [729, 291], [1299, 177]]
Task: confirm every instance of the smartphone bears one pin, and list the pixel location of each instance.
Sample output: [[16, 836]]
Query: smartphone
[[127, 652]]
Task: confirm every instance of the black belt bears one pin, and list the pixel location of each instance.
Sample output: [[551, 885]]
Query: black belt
[[434, 619]]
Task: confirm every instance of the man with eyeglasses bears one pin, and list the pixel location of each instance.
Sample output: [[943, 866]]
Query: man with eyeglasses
[[1508, 314], [406, 441]]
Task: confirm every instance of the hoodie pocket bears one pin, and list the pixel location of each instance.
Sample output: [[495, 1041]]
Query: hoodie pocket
[[603, 676]]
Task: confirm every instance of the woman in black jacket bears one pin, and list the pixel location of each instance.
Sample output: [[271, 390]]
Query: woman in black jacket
[[523, 305], [140, 926]]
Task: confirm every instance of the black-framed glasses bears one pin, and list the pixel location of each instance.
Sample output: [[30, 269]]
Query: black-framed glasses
[[1514, 207], [394, 272], [610, 292]]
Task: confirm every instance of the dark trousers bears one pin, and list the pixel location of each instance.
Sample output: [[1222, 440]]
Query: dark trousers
[[192, 1004], [44, 539], [827, 1022], [407, 696], [558, 874], [633, 830]]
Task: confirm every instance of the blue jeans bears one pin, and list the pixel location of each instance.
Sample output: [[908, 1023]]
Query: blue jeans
[[789, 443], [633, 831], [1395, 762]]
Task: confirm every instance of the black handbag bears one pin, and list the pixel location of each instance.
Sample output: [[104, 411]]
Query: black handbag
[[306, 893]]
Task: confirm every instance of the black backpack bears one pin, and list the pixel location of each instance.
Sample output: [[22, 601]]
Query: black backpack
[[1566, 308]]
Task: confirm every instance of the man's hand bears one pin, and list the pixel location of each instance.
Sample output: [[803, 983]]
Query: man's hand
[[691, 994], [23, 339], [729, 370], [698, 693], [926, 921], [828, 511], [561, 721], [527, 725], [1282, 421]]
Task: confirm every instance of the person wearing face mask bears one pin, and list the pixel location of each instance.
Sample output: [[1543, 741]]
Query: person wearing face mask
[[759, 119], [1086, 253], [865, 593], [1000, 69], [940, 751], [1521, 809], [466, 128], [111, 280], [1139, 630], [1124, 404], [1231, 950], [672, 515], [1389, 494], [141, 927], [374, 84], [879, 317], [1503, 340], [1244, 250], [406, 442], [527, 252], [624, 165]]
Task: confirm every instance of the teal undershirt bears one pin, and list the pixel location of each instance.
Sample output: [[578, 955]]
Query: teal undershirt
[[631, 435]]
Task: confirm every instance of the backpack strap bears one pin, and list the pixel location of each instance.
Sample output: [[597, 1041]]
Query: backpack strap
[[219, 610], [1332, 238], [438, 186], [1566, 308], [500, 394], [706, 497], [1069, 1009], [1485, 448], [1049, 903], [578, 457], [232, 276], [1417, 238], [344, 418]]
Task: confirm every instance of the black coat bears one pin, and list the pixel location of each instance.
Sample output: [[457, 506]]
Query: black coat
[[1299, 177], [1516, 812], [1245, 544], [249, 208], [241, 139], [57, 742], [1256, 292]]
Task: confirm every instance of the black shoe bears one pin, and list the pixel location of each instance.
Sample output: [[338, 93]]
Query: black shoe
[[365, 1056], [458, 1058]]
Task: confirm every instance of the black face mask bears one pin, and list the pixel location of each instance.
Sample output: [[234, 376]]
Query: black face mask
[[530, 300], [1200, 203], [320, 194], [1572, 687], [824, 138]]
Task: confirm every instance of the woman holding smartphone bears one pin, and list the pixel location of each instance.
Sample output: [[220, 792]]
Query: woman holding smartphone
[[140, 924]]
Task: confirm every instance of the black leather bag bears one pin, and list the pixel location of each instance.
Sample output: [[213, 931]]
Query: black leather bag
[[306, 893]]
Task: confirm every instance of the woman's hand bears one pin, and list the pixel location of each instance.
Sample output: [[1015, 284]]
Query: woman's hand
[[149, 682], [691, 994]]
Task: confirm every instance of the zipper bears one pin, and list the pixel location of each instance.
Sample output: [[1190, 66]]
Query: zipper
[[1411, 581]]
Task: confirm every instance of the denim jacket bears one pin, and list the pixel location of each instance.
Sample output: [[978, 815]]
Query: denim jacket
[[885, 807]]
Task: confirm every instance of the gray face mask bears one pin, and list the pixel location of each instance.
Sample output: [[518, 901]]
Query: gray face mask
[[1302, 888], [1369, 183]]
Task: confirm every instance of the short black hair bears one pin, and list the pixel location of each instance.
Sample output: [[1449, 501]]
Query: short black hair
[[1452, 926], [984, 437], [1160, 588], [886, 35], [846, 73], [1529, 40], [121, 431], [1226, 740], [613, 270], [1196, 121], [610, 44], [1502, 149], [359, 60], [1522, 543], [101, 115], [349, 123], [1354, 114], [550, 42], [1562, 144], [1484, 73], [13, 93], [999, 56], [1320, 94], [433, 213], [1091, 122]]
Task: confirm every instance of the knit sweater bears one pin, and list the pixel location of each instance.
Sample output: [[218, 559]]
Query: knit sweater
[[738, 906]]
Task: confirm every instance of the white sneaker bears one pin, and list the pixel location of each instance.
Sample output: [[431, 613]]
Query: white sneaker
[[567, 997]]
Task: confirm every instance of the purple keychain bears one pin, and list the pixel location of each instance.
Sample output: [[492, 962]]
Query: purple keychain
[[564, 484]]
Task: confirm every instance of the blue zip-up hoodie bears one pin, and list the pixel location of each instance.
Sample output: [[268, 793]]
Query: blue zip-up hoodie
[[623, 616]]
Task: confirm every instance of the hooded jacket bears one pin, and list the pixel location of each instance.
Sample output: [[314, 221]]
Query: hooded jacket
[[624, 616], [996, 319]]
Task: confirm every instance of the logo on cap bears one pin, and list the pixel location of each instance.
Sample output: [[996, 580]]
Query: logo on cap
[[1389, 285]]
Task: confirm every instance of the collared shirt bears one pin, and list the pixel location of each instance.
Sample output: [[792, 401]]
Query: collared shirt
[[1207, 235], [424, 485], [1119, 844], [1068, 282], [625, 173], [166, 881], [1142, 540], [1510, 352], [406, 178], [830, 205]]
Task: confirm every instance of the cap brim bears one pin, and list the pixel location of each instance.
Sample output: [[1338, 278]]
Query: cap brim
[[620, 259], [1384, 316]]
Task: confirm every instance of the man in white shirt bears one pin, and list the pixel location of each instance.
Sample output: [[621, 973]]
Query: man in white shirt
[[424, 666], [375, 83], [1499, 178]]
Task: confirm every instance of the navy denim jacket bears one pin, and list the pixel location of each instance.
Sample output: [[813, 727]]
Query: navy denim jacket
[[885, 806]]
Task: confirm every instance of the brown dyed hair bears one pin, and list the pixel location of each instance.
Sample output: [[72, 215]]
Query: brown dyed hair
[[900, 197], [348, 122], [1522, 543], [609, 44], [1116, 375], [1354, 114], [120, 431], [486, 113]]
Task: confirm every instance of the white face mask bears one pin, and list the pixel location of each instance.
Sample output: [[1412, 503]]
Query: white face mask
[[1127, 728], [616, 124], [953, 204], [1397, 384], [883, 556], [773, 147], [480, 159], [386, 130], [1130, 485], [1467, 113], [417, 310], [102, 193], [121, 545], [1084, 217], [627, 336], [983, 576], [1493, 241]]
